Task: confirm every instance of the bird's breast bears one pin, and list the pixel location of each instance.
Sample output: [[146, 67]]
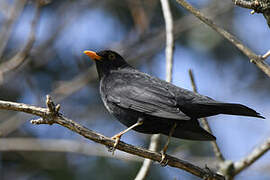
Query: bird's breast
[[103, 94]]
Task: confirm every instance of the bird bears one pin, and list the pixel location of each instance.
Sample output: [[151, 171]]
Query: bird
[[150, 105]]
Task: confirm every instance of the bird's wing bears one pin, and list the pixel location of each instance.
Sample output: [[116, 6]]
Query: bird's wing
[[144, 94]]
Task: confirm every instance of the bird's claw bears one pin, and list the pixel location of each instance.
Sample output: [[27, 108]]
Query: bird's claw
[[110, 148], [164, 161], [210, 174], [116, 138]]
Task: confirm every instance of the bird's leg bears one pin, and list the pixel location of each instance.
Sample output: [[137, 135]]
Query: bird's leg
[[164, 150], [117, 137]]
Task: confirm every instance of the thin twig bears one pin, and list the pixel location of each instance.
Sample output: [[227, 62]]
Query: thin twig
[[169, 38], [266, 55], [205, 123], [258, 6], [20, 107], [19, 58], [254, 58], [247, 4], [254, 155], [50, 115], [169, 64]]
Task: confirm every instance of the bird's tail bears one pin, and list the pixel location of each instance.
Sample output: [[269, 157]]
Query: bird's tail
[[192, 131], [210, 109]]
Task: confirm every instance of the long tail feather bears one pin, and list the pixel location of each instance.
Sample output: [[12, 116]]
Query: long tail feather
[[191, 130], [210, 109]]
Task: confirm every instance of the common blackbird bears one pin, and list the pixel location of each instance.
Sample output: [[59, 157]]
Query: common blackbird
[[150, 105]]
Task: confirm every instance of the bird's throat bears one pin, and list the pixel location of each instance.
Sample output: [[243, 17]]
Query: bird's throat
[[104, 69]]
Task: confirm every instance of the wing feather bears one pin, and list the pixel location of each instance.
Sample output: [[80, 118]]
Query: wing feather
[[144, 95]]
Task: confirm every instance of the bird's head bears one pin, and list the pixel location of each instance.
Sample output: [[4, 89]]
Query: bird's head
[[106, 61]]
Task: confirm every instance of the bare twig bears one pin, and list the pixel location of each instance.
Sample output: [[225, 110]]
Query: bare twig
[[266, 55], [247, 4], [256, 59], [258, 6], [169, 64], [20, 107], [51, 115], [254, 155], [205, 123], [19, 58], [169, 38]]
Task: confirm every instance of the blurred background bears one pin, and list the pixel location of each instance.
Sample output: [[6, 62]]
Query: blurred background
[[41, 53]]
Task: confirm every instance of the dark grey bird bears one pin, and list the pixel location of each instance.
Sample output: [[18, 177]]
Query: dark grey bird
[[150, 105]]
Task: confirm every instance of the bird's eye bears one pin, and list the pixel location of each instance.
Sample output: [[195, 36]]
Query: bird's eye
[[111, 56]]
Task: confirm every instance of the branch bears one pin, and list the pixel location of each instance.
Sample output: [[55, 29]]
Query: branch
[[254, 58], [205, 123], [258, 6], [247, 4], [250, 159], [169, 38], [51, 115], [266, 55]]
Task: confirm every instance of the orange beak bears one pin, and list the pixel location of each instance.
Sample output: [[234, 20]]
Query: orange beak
[[92, 55]]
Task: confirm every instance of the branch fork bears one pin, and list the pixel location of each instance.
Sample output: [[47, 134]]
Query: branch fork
[[50, 115]]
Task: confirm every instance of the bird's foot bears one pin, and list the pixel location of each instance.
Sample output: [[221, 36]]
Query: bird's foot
[[116, 138], [164, 161]]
